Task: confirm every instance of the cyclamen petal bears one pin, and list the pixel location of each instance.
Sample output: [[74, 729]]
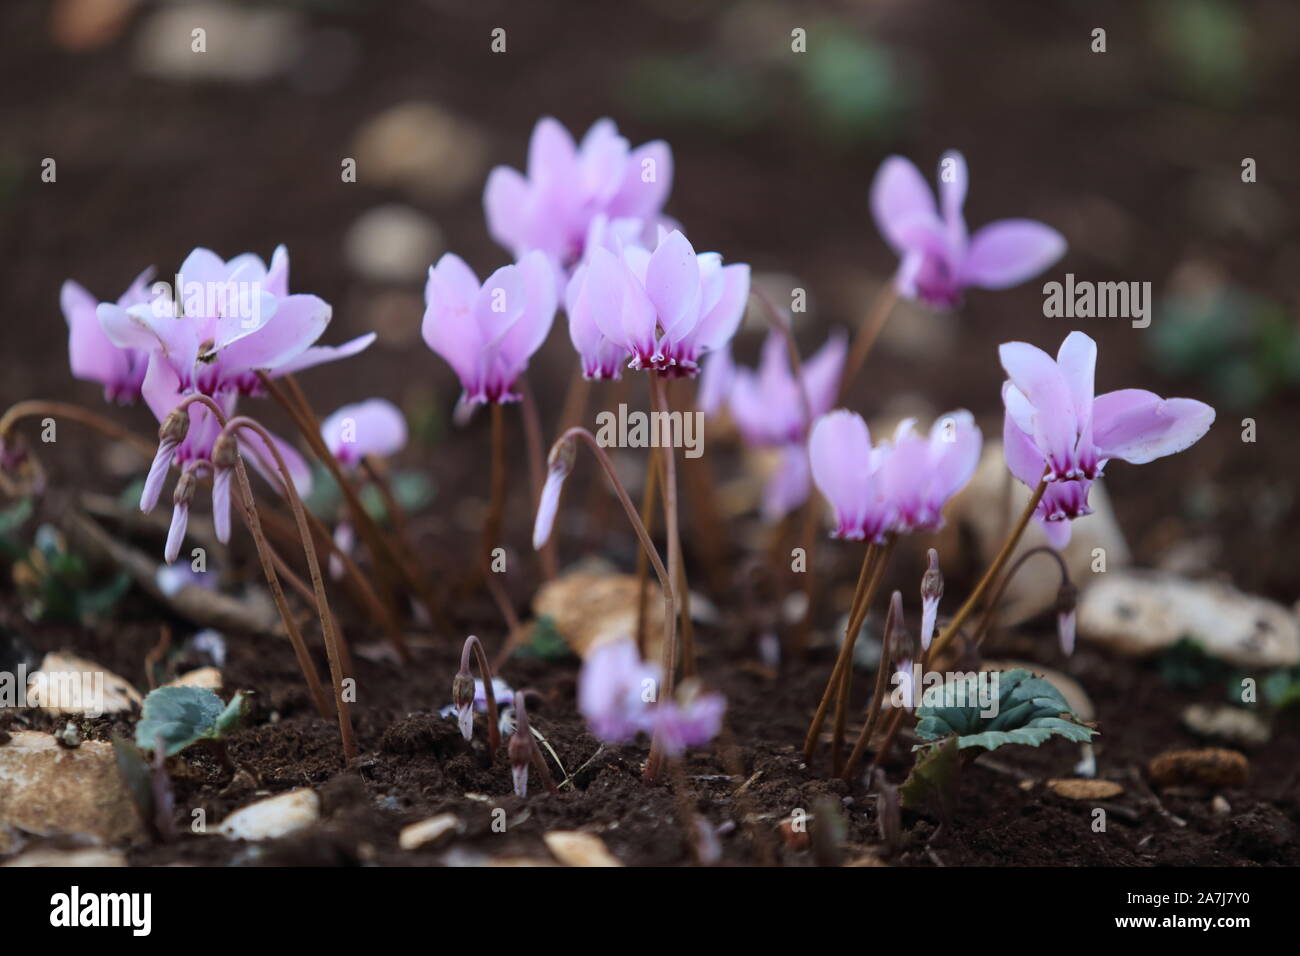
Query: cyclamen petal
[[221, 504], [176, 532], [844, 467], [488, 332], [373, 427], [937, 259], [568, 185], [616, 691], [1139, 426]]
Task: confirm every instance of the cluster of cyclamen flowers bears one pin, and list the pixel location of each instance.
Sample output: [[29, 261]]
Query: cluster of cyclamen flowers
[[585, 226], [165, 345]]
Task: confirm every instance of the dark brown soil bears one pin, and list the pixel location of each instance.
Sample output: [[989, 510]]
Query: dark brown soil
[[148, 170], [414, 764]]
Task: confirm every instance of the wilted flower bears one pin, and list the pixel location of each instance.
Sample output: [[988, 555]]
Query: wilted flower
[[92, 355], [487, 332], [567, 186], [373, 427], [1055, 426], [938, 258]]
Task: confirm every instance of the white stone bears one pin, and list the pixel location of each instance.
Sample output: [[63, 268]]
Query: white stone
[[575, 848], [427, 831], [66, 684], [1142, 613], [273, 817]]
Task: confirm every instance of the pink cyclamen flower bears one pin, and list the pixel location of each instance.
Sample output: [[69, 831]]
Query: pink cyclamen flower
[[847, 471], [1055, 426], [616, 691], [921, 474], [222, 324], [568, 185], [487, 332], [92, 355], [661, 309], [691, 719], [373, 427], [938, 258], [768, 408]]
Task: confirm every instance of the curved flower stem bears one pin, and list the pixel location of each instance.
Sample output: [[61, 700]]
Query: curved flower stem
[[386, 559], [873, 323], [629, 509], [877, 698], [268, 559], [361, 588], [472, 643], [846, 665], [333, 640], [1008, 546], [986, 621], [84, 416], [536, 468]]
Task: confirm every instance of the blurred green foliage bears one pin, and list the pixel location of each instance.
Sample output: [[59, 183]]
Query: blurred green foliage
[[55, 584], [1245, 346], [1207, 43], [545, 642], [851, 87]]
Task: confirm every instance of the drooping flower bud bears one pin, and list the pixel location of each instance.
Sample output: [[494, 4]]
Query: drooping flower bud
[[462, 697], [520, 748], [181, 498], [171, 433], [1067, 599], [558, 466], [931, 593], [225, 455]]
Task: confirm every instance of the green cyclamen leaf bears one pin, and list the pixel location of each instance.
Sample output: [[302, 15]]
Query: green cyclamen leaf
[[1030, 711], [180, 715]]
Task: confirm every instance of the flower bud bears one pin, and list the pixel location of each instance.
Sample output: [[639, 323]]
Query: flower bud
[[1067, 599], [931, 592], [462, 696]]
